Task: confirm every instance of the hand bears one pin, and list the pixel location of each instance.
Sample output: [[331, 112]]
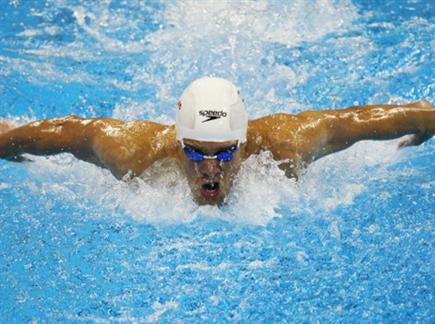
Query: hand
[[414, 140]]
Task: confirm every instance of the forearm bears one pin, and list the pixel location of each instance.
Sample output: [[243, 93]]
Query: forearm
[[384, 122], [43, 138], [336, 130]]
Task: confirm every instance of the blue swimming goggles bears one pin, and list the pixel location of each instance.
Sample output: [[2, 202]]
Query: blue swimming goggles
[[196, 155]]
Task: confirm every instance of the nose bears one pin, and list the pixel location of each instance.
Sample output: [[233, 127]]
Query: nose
[[210, 169]]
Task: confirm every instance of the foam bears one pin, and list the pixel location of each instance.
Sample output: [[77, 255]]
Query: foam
[[286, 23], [259, 194], [224, 38]]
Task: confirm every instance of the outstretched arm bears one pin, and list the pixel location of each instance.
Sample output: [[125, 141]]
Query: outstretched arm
[[300, 139], [339, 129], [120, 147], [68, 134]]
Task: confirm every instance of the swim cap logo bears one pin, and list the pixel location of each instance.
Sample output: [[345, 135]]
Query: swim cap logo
[[212, 114]]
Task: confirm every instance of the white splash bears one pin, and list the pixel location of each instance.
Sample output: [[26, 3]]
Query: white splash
[[259, 193], [232, 39], [261, 21]]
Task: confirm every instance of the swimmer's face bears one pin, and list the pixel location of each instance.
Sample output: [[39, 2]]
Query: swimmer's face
[[210, 180]]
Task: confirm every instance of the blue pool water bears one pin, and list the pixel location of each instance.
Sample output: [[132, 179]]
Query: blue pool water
[[352, 241]]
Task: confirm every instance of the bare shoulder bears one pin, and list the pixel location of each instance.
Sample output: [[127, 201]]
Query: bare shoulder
[[269, 132], [133, 146], [141, 132], [275, 122], [287, 136]]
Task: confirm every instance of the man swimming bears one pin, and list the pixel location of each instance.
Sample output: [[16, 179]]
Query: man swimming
[[212, 137]]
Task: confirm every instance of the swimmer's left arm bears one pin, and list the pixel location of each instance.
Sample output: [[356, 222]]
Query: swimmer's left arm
[[336, 130]]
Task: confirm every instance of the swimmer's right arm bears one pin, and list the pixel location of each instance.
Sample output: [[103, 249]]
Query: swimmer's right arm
[[123, 148], [70, 134]]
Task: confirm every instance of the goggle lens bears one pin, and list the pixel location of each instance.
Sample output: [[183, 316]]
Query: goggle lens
[[194, 155], [225, 156]]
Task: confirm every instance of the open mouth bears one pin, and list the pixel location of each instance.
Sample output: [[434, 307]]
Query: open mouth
[[210, 189]]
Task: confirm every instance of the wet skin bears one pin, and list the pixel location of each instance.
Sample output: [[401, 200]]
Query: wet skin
[[295, 140], [210, 180]]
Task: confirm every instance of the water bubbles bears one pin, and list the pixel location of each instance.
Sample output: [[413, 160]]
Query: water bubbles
[[260, 192]]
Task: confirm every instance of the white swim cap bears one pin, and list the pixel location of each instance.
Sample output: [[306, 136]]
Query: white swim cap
[[211, 109]]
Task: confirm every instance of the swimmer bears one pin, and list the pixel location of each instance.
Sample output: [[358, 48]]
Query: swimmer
[[212, 137]]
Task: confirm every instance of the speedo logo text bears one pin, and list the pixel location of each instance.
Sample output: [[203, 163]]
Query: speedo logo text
[[212, 114]]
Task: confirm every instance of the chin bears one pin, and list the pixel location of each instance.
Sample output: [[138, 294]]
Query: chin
[[216, 201]]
